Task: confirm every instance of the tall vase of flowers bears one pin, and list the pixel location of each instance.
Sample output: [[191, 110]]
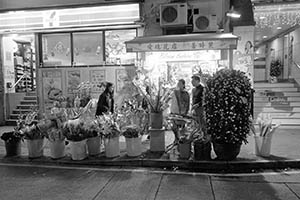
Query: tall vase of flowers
[[35, 141], [263, 137]]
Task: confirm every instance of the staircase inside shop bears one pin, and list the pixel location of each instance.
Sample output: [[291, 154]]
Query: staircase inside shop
[[281, 100], [28, 104]]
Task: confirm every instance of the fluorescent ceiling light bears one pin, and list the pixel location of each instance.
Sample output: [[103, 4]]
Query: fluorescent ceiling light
[[233, 15], [279, 27], [265, 36]]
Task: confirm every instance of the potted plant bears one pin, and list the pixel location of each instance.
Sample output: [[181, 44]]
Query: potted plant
[[111, 134], [12, 141], [133, 140], [157, 97], [75, 134], [35, 140], [93, 132], [275, 70], [227, 108], [263, 137]]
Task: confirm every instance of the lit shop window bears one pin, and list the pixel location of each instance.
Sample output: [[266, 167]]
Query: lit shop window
[[88, 48], [56, 50], [115, 49]]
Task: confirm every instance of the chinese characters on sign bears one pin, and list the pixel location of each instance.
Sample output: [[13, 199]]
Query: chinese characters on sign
[[181, 46]]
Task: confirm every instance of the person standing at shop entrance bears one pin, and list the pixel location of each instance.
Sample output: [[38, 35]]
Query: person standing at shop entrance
[[106, 100], [180, 105], [197, 100]]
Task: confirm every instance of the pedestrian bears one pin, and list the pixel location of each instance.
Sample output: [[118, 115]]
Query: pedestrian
[[106, 100], [197, 100], [180, 105]]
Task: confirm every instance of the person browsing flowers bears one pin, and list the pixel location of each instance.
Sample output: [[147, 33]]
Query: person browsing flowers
[[106, 100]]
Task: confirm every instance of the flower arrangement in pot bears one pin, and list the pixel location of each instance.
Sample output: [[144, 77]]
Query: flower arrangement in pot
[[93, 130], [275, 70], [110, 133], [12, 141], [263, 137], [227, 108], [32, 134], [157, 97], [132, 134], [76, 135]]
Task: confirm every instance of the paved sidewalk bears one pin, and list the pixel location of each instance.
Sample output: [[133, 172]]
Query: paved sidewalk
[[285, 152]]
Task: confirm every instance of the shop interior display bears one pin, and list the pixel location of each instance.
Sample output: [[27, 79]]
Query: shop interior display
[[24, 67]]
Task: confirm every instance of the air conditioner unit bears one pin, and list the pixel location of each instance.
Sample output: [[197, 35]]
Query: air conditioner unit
[[173, 14], [204, 23]]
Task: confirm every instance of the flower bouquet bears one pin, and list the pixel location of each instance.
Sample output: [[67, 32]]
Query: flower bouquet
[[56, 142], [132, 135], [263, 137], [74, 132], [93, 132], [111, 133]]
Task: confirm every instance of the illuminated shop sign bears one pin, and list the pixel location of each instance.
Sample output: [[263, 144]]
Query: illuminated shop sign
[[73, 17]]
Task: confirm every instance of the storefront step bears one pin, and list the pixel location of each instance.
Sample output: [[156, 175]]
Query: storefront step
[[273, 85], [25, 106], [280, 115], [278, 109], [22, 111], [286, 94], [272, 104], [267, 99], [28, 102], [276, 89]]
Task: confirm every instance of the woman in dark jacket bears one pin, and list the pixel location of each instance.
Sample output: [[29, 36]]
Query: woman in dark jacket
[[106, 100]]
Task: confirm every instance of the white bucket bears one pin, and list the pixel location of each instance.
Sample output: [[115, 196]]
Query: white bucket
[[57, 149], [35, 148], [262, 146], [93, 145], [78, 150], [112, 148], [133, 146]]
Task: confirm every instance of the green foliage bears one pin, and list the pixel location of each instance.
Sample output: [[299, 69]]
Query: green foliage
[[276, 68], [227, 106]]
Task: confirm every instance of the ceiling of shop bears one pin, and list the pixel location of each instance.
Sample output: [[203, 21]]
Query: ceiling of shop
[[266, 32]]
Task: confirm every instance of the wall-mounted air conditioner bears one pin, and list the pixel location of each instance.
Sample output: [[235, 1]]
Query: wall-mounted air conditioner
[[204, 22], [173, 14]]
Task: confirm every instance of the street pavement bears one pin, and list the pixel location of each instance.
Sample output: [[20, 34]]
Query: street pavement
[[22, 182]]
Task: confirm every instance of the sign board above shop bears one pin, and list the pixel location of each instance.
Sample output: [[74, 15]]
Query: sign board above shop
[[186, 42]]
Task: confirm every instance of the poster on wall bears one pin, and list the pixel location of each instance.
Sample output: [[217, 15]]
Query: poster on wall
[[123, 77], [97, 78], [244, 54], [73, 80], [52, 86]]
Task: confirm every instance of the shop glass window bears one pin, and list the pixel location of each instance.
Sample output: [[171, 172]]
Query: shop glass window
[[115, 49], [88, 48], [56, 49]]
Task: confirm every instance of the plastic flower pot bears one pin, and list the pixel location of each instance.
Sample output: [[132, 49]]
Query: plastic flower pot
[[57, 149], [202, 150], [263, 145], [157, 140], [35, 148], [133, 146], [78, 150], [93, 145], [13, 148], [227, 151], [184, 150], [156, 120], [112, 148]]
